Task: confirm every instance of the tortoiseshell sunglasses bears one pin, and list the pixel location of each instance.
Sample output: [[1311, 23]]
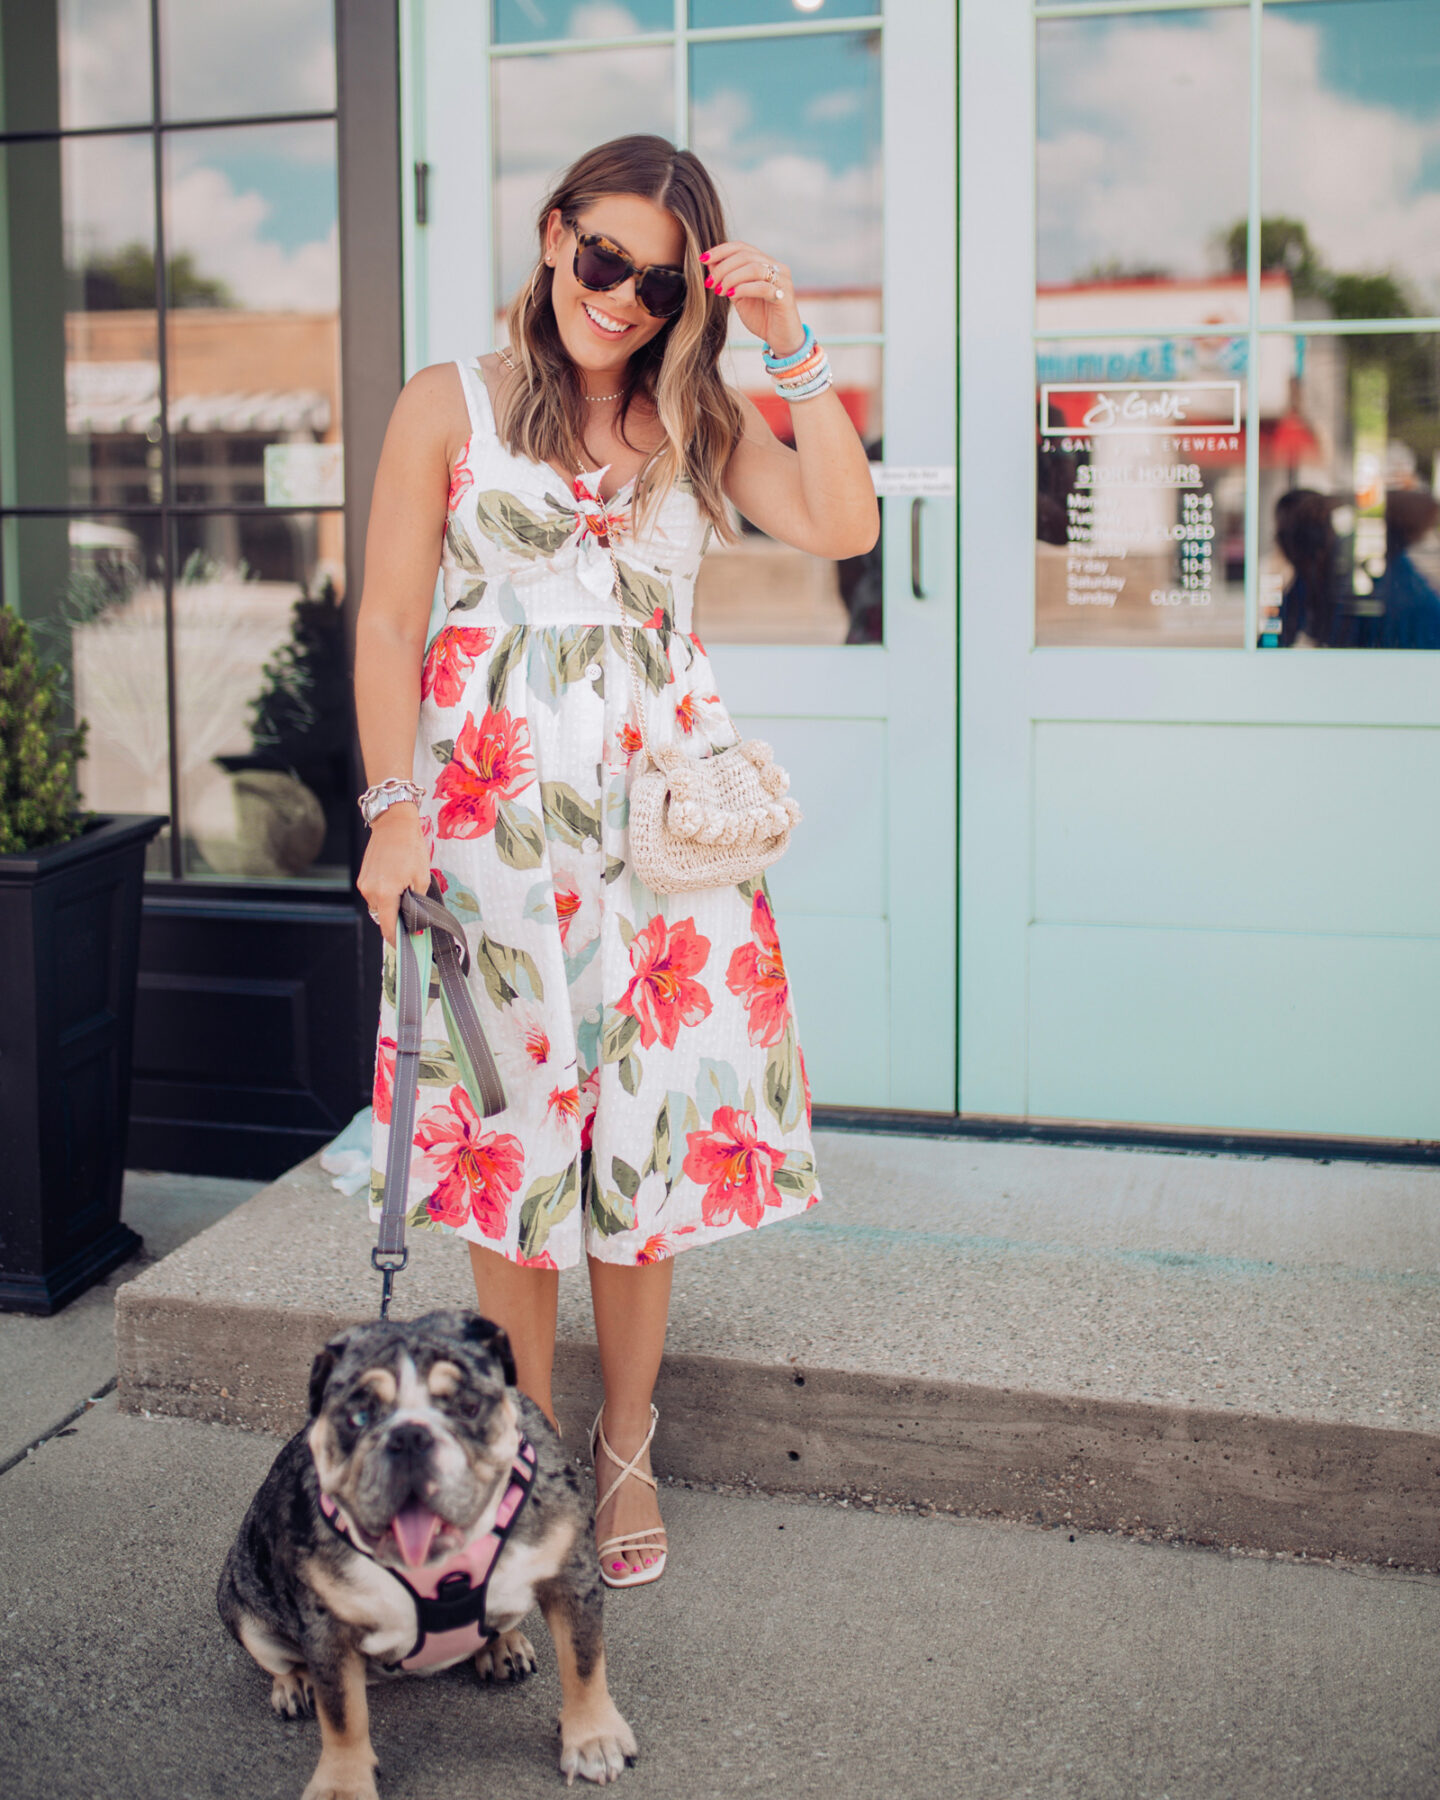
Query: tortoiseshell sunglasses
[[600, 264]]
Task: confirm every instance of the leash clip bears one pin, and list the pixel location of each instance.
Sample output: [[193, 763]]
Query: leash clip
[[389, 1263]]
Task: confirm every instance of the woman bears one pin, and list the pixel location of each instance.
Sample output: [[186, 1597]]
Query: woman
[[656, 1096]]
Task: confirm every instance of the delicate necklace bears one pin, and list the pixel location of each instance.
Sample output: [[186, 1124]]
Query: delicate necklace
[[595, 399]]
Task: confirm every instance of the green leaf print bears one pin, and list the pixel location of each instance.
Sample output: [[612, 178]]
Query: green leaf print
[[640, 594], [648, 654], [795, 1178], [621, 1031], [540, 902], [617, 808], [461, 901], [611, 1213], [470, 599], [418, 1218], [509, 522], [614, 869], [750, 1098], [438, 1067], [546, 1203], [387, 979], [507, 657], [511, 606], [377, 1186], [624, 1177], [519, 839], [658, 1161], [542, 670], [508, 974], [746, 889], [782, 1086], [460, 546], [576, 965], [443, 751], [569, 818], [716, 1084], [627, 931], [579, 646], [630, 1074]]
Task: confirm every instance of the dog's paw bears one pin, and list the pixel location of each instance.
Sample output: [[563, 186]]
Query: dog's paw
[[597, 1745], [292, 1696], [509, 1657], [342, 1778]]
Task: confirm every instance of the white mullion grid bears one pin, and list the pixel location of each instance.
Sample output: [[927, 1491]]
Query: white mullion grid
[[1252, 351], [681, 76], [718, 34], [1215, 328]]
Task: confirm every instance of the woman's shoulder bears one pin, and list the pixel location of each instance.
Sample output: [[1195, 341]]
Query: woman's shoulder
[[432, 406]]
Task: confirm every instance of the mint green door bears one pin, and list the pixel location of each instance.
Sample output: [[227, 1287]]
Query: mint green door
[[832, 136]]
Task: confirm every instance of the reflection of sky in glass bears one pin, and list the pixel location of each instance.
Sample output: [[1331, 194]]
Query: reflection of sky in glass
[[1142, 152], [222, 60], [104, 62], [541, 21], [790, 128], [87, 166], [255, 206], [1352, 134], [705, 14], [551, 109]]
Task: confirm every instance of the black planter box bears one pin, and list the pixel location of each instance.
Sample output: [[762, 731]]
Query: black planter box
[[69, 943]]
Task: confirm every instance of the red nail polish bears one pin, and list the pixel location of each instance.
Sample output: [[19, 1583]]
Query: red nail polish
[[704, 256]]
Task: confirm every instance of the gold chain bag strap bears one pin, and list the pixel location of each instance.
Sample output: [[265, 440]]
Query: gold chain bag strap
[[702, 822]]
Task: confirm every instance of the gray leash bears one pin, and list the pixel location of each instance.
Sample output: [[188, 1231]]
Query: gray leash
[[452, 961]]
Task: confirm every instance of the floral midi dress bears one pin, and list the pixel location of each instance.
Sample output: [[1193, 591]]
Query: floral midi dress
[[656, 1092]]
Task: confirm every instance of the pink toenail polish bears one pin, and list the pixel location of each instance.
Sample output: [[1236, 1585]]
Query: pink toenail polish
[[616, 1567]]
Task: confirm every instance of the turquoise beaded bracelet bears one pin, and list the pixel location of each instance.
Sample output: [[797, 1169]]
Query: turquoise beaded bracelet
[[776, 365]]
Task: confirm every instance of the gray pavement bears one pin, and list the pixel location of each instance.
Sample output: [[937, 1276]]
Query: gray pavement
[[791, 1648], [50, 1366]]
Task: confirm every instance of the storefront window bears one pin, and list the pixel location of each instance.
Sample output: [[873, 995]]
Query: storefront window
[[1149, 190], [1140, 526], [790, 126], [171, 479]]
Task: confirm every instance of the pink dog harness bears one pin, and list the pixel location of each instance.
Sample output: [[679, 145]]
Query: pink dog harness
[[450, 1600]]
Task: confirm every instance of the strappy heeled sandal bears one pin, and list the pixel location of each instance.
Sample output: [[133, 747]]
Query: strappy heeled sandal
[[633, 1540]]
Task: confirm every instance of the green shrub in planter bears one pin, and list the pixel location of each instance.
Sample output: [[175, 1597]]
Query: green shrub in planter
[[37, 756]]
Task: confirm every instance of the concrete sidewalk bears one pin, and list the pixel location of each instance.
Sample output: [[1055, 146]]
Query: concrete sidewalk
[[1219, 1349], [791, 1648]]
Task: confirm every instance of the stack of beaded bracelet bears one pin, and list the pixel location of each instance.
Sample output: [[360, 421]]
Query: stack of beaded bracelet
[[801, 375]]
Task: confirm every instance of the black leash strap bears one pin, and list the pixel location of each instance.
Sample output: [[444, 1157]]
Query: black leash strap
[[452, 961]]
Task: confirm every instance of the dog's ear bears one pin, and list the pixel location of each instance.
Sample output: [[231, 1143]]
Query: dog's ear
[[321, 1368], [492, 1338]]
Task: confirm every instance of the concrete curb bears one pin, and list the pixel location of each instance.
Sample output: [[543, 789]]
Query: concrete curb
[[1203, 1477]]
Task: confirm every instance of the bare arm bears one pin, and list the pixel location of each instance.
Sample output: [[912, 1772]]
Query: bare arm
[[819, 496], [402, 553]]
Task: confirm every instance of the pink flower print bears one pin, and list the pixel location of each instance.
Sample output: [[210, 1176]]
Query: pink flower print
[[696, 642], [480, 1172], [564, 1104], [685, 713], [490, 762], [595, 517], [461, 480], [543, 1261], [663, 993], [589, 1098], [450, 659], [629, 740], [537, 1043], [736, 1170], [657, 1248], [384, 1095], [568, 901], [756, 976]]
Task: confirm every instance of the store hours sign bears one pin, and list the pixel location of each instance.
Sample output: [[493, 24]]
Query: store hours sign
[[1140, 519]]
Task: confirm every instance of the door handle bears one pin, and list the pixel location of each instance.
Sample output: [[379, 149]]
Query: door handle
[[917, 563]]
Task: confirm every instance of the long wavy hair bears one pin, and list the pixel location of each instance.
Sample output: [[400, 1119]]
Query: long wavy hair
[[540, 412]]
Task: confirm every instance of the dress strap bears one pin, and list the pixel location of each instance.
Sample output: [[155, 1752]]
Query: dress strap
[[477, 398]]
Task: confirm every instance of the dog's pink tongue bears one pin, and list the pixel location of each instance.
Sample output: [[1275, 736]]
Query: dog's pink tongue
[[415, 1527]]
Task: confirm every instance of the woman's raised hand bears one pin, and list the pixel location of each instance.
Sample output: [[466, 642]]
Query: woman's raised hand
[[753, 280], [396, 858]]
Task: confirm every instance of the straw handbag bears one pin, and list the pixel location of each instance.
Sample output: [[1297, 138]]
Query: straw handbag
[[703, 822]]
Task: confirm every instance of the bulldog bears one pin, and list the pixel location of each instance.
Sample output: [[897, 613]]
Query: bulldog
[[412, 1523]]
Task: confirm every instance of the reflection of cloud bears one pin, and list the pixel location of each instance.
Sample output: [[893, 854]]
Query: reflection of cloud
[[840, 103], [1352, 170], [264, 56], [825, 222], [222, 226], [1144, 155]]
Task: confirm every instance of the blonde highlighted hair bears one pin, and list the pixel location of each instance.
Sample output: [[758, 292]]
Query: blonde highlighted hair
[[540, 410]]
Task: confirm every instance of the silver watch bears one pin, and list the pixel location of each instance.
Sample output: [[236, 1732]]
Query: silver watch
[[375, 799]]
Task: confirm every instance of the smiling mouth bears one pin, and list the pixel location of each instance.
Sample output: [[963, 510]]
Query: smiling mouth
[[604, 322]]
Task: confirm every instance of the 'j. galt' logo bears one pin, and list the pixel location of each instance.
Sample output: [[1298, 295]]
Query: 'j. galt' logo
[[1142, 406]]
